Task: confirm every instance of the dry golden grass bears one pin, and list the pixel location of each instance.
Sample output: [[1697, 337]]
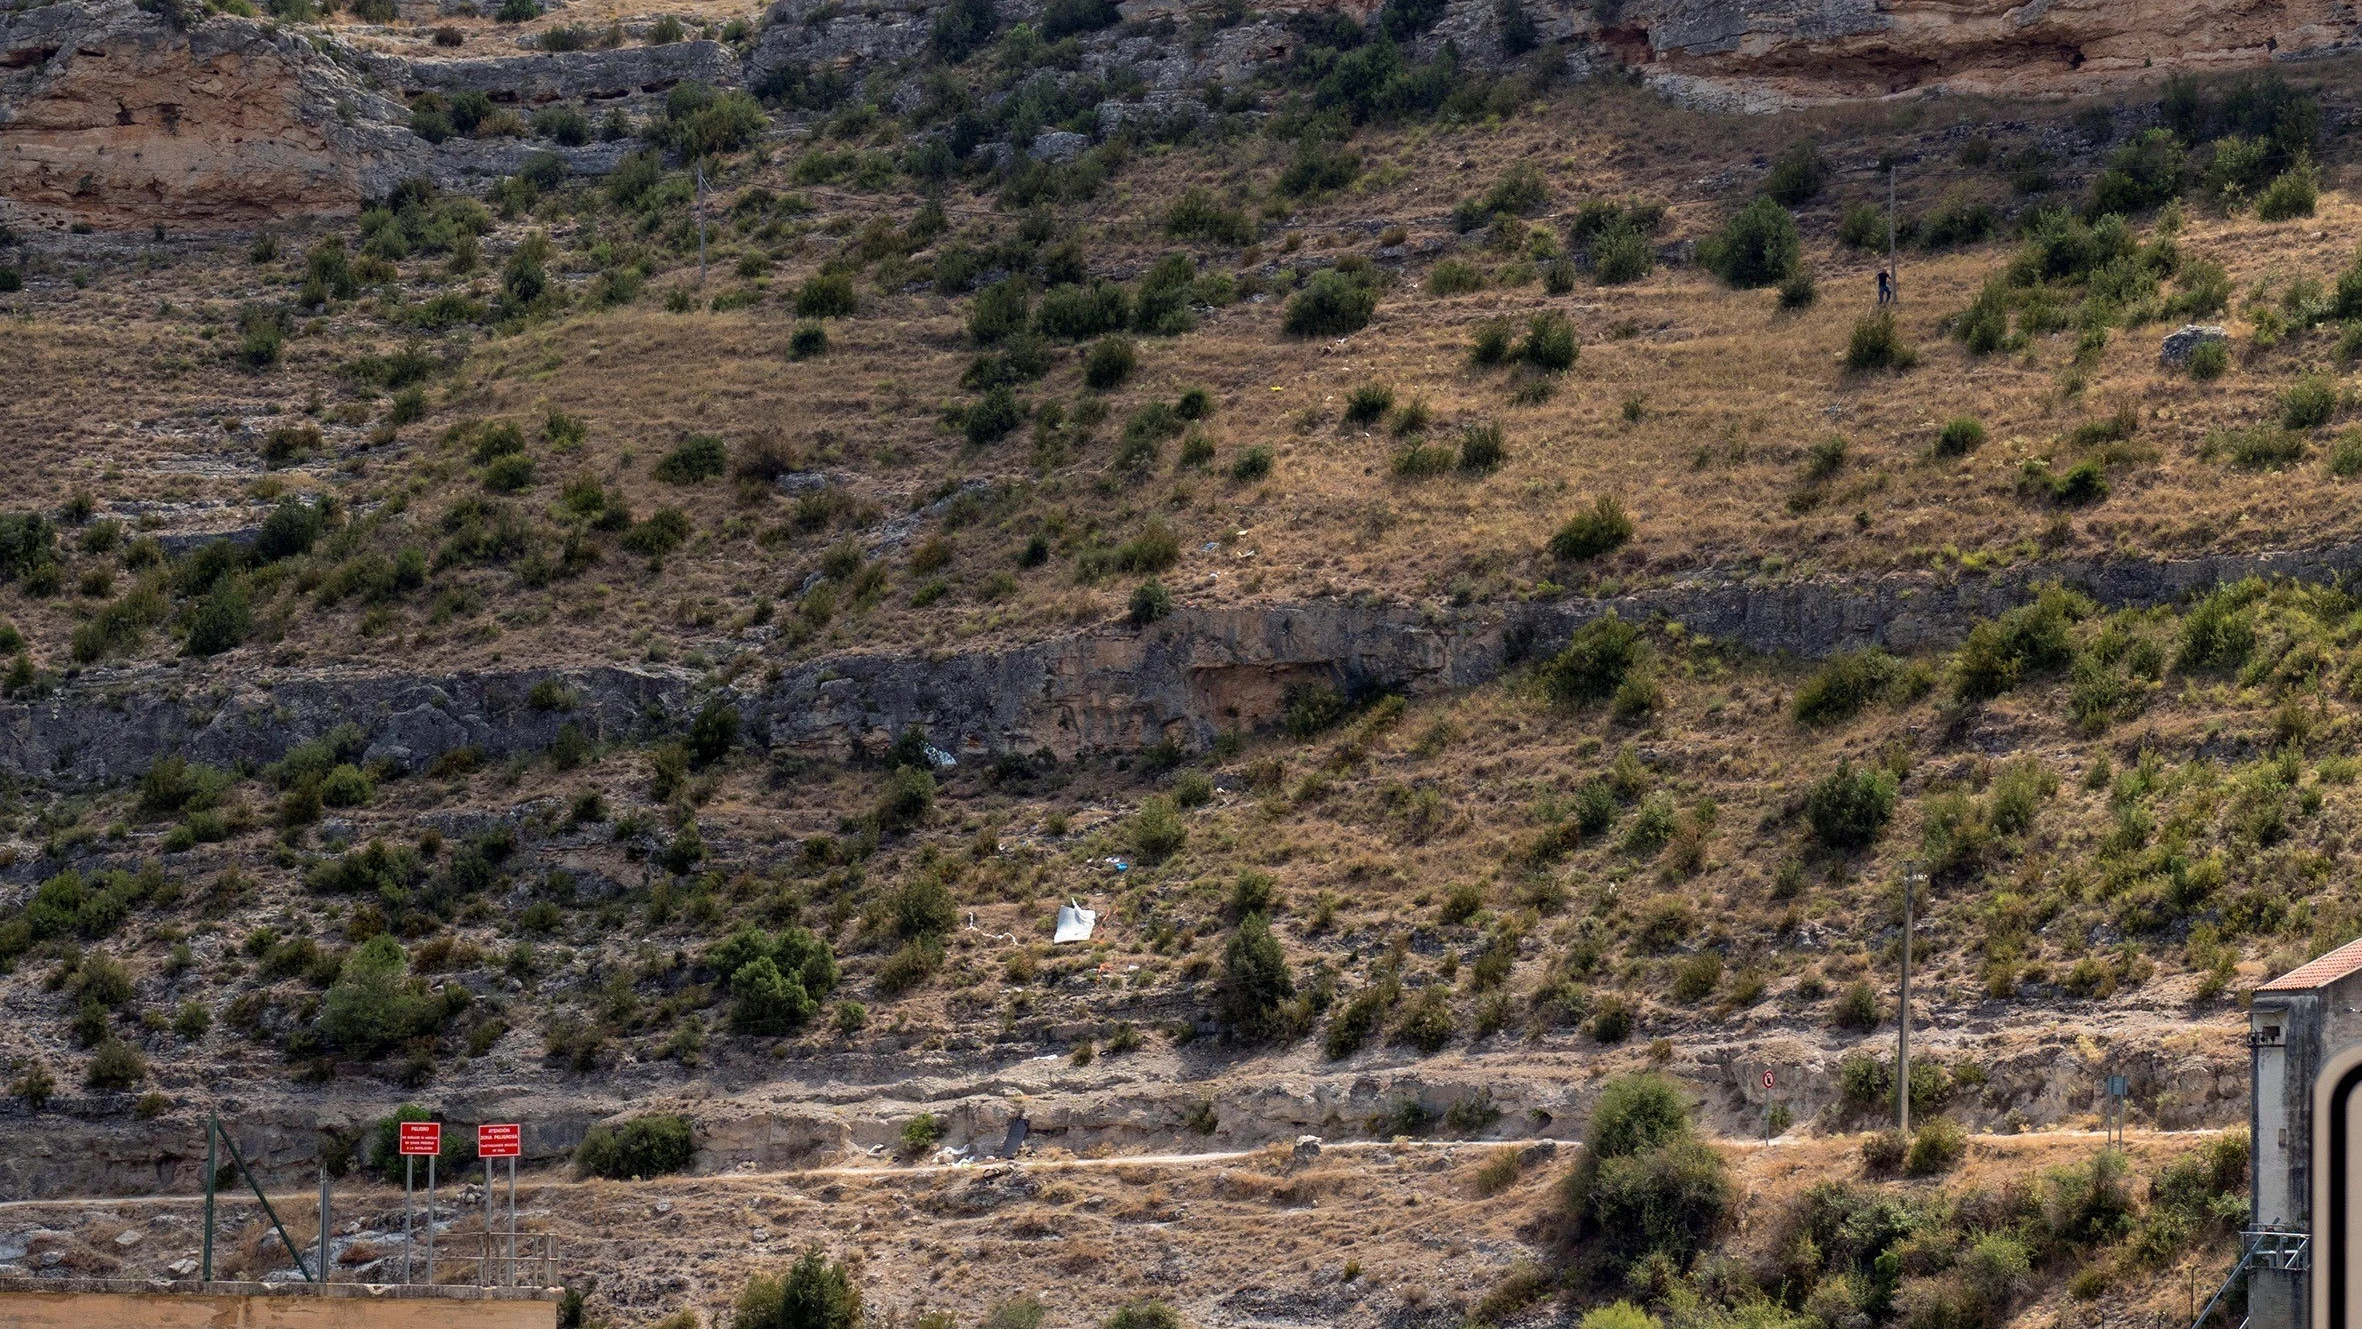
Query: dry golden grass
[[126, 398]]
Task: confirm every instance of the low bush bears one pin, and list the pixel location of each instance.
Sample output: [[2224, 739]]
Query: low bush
[[1454, 276], [1960, 436], [1601, 530], [1482, 447], [826, 295], [1111, 361], [1876, 343], [1334, 303], [1759, 246], [1596, 660], [645, 1146], [695, 458], [1850, 806], [1841, 688]]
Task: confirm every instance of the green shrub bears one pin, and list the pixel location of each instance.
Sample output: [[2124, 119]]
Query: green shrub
[[1549, 343], [1849, 807], [815, 1292], [994, 417], [766, 1001], [1491, 346], [1863, 227], [1418, 463], [1621, 254], [1759, 246], [1798, 291], [1695, 978], [2141, 175], [1077, 313], [1841, 688], [1482, 447], [664, 530], [1960, 436], [1596, 660], [695, 458], [509, 474], [1332, 304], [1000, 311], [373, 1005], [1429, 1023], [808, 341], [346, 787], [2345, 455], [826, 295], [1150, 601], [1198, 214], [1144, 1313], [1936, 1148], [1156, 831], [2256, 447], [1796, 175], [1454, 276], [2293, 194], [2029, 639], [1252, 464], [1856, 1009], [2308, 403], [1256, 985], [1602, 530], [1876, 343], [115, 1065], [222, 620], [645, 1146], [713, 733], [1646, 1185], [1111, 361], [2219, 632]]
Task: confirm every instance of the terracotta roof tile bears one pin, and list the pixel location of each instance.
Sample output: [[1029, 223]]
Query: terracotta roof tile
[[2320, 973]]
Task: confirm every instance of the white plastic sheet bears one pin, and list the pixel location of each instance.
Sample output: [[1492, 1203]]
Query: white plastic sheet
[[1074, 923]]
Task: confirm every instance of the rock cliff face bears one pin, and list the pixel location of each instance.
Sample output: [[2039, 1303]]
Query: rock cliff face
[[1785, 51], [109, 115], [1111, 689]]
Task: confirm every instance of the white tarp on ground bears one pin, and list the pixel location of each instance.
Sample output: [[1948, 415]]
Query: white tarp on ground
[[1074, 923]]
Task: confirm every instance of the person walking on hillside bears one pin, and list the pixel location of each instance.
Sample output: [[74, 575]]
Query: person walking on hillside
[[1886, 287]]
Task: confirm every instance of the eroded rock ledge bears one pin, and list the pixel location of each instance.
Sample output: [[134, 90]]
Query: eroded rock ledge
[[1106, 689]]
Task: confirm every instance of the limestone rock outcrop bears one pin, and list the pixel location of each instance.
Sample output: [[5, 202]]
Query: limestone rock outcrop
[[1112, 688], [1748, 56], [111, 116]]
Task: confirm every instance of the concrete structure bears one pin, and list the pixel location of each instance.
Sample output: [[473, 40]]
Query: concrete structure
[[107, 1303], [2300, 1024]]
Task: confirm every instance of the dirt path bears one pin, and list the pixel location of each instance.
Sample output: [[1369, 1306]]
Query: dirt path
[[790, 1178]]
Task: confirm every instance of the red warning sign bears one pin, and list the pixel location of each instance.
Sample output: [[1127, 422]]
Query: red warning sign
[[500, 1141], [421, 1138]]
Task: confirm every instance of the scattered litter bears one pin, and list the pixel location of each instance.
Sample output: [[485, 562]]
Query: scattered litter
[[938, 758], [664, 1207], [1018, 1126], [1074, 923]]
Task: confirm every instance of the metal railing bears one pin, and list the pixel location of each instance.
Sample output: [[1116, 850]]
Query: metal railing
[[493, 1259]]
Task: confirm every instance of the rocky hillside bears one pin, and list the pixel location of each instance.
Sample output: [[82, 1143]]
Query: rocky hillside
[[122, 116], [634, 613]]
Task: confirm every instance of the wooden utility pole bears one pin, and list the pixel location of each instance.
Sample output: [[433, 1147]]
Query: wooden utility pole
[[1894, 276], [701, 272], [1903, 1016]]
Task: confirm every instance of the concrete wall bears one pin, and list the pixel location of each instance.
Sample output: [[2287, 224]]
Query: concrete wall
[[116, 1303]]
